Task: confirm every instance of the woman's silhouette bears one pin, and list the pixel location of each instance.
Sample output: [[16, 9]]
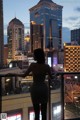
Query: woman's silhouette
[[39, 89]]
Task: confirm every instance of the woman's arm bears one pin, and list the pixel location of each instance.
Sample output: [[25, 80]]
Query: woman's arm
[[22, 74], [27, 71]]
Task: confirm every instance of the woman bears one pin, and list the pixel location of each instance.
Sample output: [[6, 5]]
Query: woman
[[39, 89]]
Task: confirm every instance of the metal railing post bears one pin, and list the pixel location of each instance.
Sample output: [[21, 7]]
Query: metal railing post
[[0, 93], [49, 102], [62, 96]]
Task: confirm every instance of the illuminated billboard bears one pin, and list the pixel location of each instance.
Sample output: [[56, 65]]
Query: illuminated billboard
[[55, 61], [49, 61], [14, 114], [14, 117]]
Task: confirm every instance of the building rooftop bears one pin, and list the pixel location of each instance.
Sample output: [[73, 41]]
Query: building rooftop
[[45, 0], [50, 4], [15, 21]]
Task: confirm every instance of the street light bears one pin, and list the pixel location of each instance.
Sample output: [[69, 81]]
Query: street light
[[76, 77]]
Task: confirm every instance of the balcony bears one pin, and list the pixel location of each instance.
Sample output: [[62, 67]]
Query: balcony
[[64, 96]]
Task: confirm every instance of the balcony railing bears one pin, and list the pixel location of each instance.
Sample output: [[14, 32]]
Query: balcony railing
[[65, 85]]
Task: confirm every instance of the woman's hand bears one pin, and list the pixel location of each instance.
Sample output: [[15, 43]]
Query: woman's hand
[[10, 74]]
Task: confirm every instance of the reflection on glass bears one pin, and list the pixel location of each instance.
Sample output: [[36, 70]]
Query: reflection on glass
[[49, 61], [72, 96]]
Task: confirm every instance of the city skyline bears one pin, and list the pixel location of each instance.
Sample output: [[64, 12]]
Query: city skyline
[[71, 10]]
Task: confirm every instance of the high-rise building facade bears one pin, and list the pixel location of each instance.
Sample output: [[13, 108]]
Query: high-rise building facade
[[36, 36], [1, 34], [5, 54], [75, 36], [27, 44], [71, 58], [49, 14], [15, 37]]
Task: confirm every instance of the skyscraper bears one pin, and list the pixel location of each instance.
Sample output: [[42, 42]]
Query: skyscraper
[[71, 58], [15, 37], [49, 14], [75, 36], [1, 33], [36, 36]]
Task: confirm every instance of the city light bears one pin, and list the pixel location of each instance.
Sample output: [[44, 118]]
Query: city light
[[76, 77], [57, 110], [7, 80], [10, 65], [32, 22]]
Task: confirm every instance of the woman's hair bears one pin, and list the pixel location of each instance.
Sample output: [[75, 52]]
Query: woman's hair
[[39, 55]]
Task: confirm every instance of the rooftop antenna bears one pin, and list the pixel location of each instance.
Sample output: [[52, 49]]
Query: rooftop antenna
[[15, 14]]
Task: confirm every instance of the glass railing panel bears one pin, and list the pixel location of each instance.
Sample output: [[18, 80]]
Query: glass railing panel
[[15, 85], [64, 93], [71, 96], [55, 97]]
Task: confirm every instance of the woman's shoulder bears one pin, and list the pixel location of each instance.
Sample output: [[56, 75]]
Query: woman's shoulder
[[44, 65], [32, 64]]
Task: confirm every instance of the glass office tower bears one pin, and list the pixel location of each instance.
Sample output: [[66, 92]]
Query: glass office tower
[[48, 14]]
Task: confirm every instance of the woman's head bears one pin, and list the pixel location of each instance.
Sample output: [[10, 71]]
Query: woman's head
[[39, 55]]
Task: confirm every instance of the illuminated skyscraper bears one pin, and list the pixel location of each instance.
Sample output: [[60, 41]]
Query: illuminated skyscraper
[[1, 33], [71, 58], [49, 14], [15, 37], [36, 36]]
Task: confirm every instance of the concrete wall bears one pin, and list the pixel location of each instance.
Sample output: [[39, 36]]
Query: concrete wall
[[23, 101]]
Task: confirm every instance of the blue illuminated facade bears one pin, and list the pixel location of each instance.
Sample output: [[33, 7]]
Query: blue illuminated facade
[[49, 14]]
